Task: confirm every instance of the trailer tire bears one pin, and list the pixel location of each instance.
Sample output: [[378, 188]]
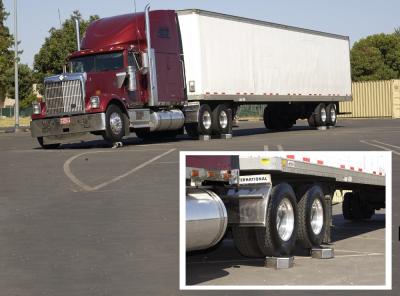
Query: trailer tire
[[312, 217], [246, 242], [222, 120], [47, 146], [346, 206], [115, 124], [270, 240], [320, 116], [331, 115], [275, 119]]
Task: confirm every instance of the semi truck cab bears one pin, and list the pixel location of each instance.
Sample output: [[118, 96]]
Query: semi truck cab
[[120, 76]]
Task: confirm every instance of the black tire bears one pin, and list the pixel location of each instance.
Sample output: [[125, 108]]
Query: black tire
[[274, 119], [203, 127], [320, 115], [47, 146], [346, 206], [305, 233], [331, 115], [354, 209], [114, 131], [246, 242], [222, 120], [268, 239]]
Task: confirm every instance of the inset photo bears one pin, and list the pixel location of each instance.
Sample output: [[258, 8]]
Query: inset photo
[[285, 220]]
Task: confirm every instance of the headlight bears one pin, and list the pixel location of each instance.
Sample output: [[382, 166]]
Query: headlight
[[36, 109], [94, 102]]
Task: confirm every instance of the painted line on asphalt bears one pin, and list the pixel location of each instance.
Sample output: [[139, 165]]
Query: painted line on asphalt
[[390, 145], [295, 258], [84, 186], [380, 146]]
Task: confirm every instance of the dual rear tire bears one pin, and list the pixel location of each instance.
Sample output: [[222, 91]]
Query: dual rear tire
[[211, 121], [287, 221], [323, 115]]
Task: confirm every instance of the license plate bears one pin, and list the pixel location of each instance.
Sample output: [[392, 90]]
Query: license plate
[[65, 120]]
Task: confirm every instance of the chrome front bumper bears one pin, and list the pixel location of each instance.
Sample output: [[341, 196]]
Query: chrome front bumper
[[52, 128]]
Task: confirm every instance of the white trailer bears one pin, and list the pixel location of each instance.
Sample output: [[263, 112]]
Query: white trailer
[[231, 60], [271, 202]]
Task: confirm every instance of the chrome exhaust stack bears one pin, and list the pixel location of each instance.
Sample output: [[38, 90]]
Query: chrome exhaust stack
[[78, 38], [206, 219]]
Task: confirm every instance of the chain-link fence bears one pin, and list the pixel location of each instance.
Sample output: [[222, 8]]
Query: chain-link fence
[[9, 112], [251, 111]]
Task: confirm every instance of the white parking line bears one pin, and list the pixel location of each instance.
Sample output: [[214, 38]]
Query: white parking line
[[382, 147], [74, 179]]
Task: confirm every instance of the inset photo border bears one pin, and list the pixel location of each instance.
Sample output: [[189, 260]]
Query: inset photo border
[[259, 220]]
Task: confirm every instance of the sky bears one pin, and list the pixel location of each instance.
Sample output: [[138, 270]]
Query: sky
[[354, 18]]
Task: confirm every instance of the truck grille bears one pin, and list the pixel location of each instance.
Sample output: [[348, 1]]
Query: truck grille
[[64, 97]]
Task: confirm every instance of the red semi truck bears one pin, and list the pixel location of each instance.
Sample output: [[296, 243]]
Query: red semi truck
[[157, 73]]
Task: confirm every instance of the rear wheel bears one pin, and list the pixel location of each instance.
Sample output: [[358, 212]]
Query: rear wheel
[[320, 115], [222, 120], [354, 208], [331, 115], [312, 220], [47, 146], [246, 242], [204, 124], [279, 236], [346, 206], [275, 119], [115, 124]]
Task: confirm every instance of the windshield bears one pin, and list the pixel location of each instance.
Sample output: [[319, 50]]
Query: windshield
[[98, 63]]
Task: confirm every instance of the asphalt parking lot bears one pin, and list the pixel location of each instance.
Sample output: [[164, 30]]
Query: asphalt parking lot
[[357, 245], [90, 220]]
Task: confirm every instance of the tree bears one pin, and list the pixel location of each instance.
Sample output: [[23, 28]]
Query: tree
[[376, 57], [56, 48], [25, 82], [6, 55]]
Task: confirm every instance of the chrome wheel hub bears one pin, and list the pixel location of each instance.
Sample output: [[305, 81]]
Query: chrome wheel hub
[[115, 123], [317, 216], [206, 119], [333, 115], [285, 219], [323, 114], [223, 119]]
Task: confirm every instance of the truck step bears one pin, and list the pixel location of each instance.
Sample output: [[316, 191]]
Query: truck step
[[279, 262]]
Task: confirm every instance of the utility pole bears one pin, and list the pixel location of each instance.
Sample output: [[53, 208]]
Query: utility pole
[[16, 112]]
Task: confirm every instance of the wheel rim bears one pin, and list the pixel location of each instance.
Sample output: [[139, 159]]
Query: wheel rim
[[285, 219], [317, 216], [333, 114], [115, 123], [223, 119], [323, 114], [206, 119]]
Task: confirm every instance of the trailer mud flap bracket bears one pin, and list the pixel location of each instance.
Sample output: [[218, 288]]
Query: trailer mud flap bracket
[[247, 205]]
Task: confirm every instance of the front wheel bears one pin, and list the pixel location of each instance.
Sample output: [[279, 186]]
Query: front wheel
[[115, 124], [47, 146]]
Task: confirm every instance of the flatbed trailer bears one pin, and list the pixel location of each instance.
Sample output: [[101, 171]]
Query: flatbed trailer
[[270, 203]]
